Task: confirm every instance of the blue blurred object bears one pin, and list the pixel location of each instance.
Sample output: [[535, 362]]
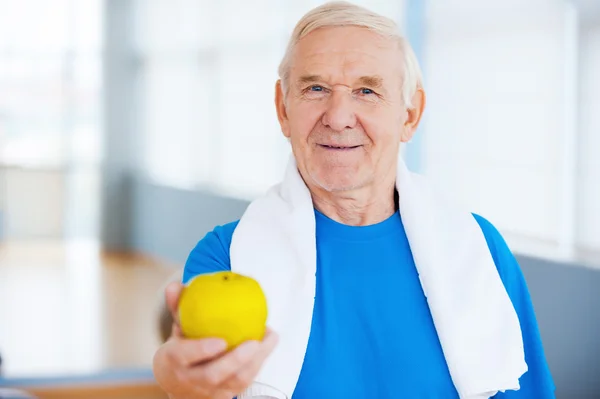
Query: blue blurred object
[[8, 393], [108, 376]]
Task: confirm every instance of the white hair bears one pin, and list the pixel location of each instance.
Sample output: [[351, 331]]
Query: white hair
[[341, 13]]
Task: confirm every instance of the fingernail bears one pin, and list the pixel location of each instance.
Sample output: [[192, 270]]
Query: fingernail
[[216, 346], [273, 338], [248, 349]]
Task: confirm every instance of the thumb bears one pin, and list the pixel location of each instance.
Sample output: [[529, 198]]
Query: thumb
[[172, 293]]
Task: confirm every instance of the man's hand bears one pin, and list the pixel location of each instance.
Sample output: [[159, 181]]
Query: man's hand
[[201, 369]]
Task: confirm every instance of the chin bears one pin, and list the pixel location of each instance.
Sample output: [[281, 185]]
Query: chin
[[338, 182]]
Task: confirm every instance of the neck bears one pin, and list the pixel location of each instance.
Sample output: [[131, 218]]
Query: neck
[[357, 208]]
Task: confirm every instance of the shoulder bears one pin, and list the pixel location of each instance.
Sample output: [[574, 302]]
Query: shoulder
[[506, 263], [501, 253], [211, 253], [491, 233], [220, 235]]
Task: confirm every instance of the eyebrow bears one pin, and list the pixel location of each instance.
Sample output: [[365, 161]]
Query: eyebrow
[[375, 81], [371, 81], [305, 79]]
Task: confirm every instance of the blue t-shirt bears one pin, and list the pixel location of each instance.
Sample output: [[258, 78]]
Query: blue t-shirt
[[372, 334]]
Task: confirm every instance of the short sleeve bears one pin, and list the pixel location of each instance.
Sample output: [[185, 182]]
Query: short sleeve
[[537, 381], [211, 254]]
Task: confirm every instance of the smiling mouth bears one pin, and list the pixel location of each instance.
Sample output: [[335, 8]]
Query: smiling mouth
[[339, 148]]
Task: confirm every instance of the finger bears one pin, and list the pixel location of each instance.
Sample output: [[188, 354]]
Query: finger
[[172, 294], [246, 374], [221, 369], [266, 347], [225, 395], [192, 352]]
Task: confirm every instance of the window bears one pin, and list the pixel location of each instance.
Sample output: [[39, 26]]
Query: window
[[208, 117], [504, 121], [588, 201], [50, 79]]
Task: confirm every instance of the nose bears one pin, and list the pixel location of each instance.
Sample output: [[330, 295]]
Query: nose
[[339, 114]]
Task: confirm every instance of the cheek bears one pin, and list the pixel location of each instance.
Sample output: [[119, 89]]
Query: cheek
[[303, 118], [384, 133]]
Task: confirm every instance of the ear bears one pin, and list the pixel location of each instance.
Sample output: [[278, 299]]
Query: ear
[[414, 115], [281, 111]]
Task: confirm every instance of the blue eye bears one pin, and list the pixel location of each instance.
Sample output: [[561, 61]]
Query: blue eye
[[366, 91], [316, 88]]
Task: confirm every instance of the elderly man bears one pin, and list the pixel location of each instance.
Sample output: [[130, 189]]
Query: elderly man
[[377, 287]]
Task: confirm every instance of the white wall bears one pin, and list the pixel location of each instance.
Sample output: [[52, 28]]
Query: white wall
[[494, 73], [589, 149]]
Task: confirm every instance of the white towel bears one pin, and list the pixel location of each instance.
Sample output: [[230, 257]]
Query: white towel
[[477, 325]]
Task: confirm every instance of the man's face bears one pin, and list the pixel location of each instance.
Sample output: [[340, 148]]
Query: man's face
[[343, 111]]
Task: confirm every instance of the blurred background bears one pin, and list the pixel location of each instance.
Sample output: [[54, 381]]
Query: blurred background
[[130, 128]]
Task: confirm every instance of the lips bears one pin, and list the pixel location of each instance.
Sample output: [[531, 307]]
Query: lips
[[339, 147]]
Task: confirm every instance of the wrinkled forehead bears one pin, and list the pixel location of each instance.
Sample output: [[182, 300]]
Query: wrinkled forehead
[[347, 53]]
